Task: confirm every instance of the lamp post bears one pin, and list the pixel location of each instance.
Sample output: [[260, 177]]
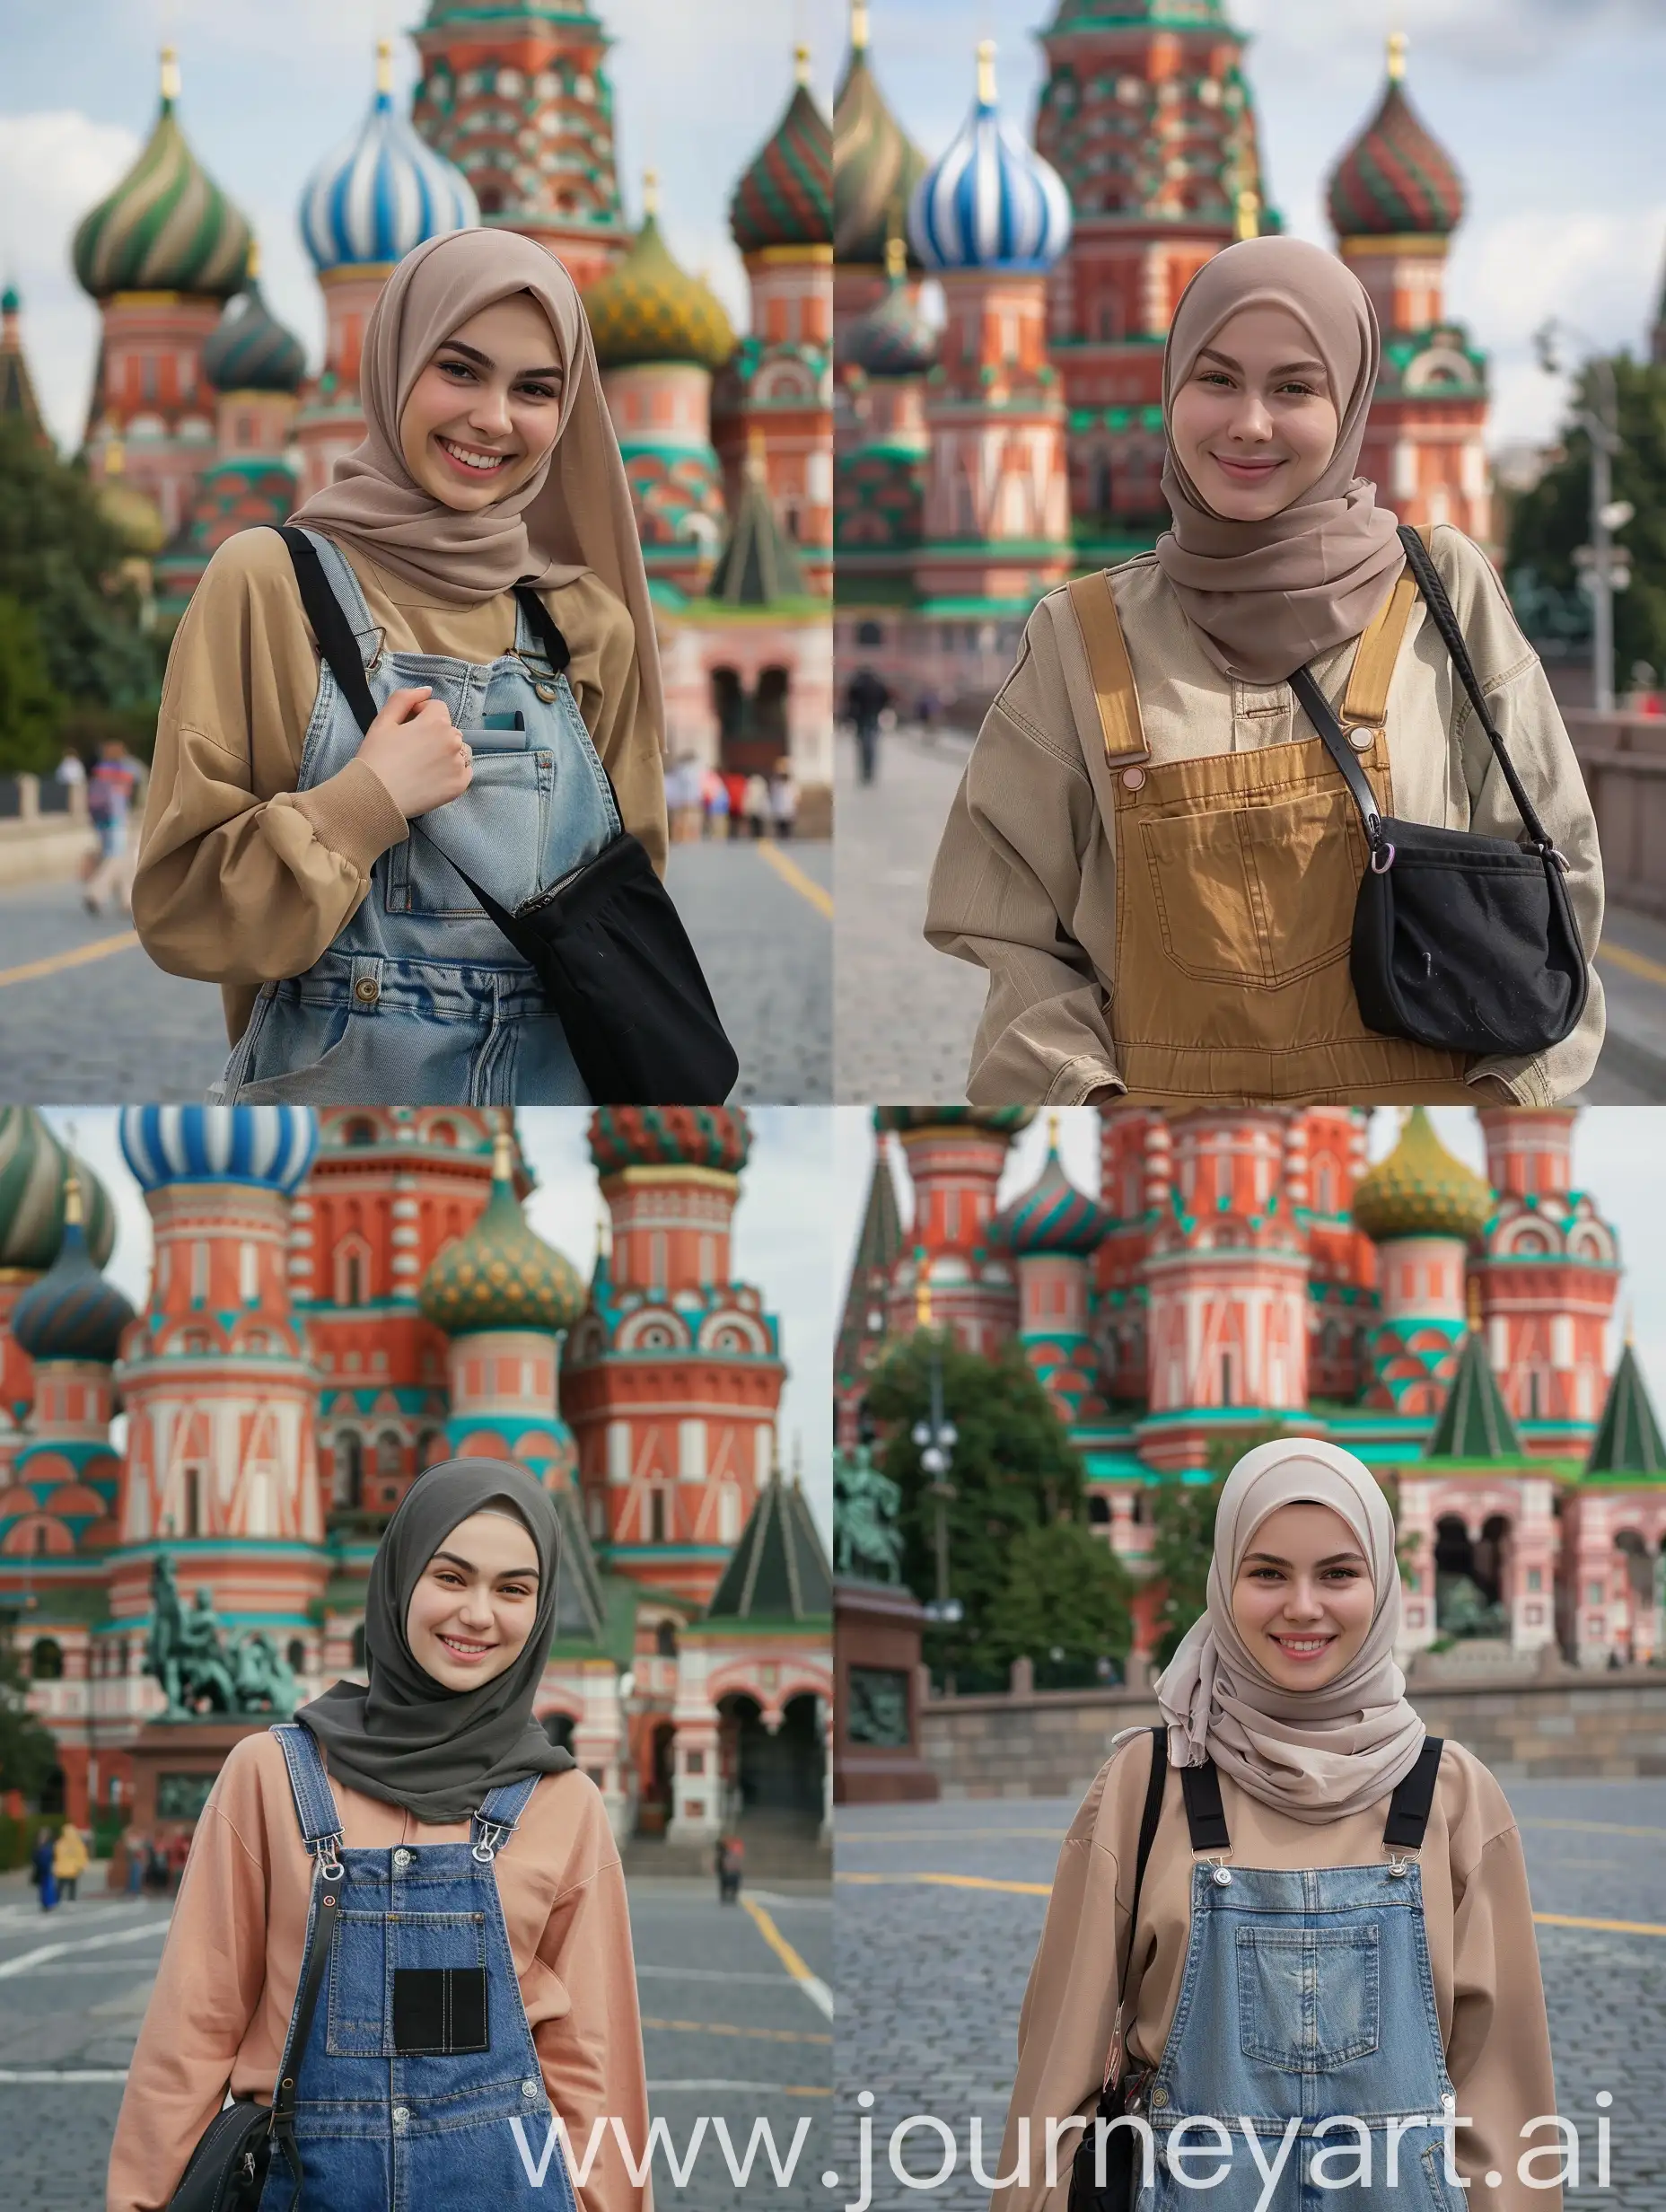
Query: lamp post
[[936, 1438], [1604, 567]]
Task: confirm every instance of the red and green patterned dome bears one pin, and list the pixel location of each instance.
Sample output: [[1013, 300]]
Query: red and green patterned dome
[[500, 1275], [1008, 1120], [167, 226], [710, 1136], [1420, 1190], [1396, 180], [875, 164], [1052, 1215], [648, 309], [785, 198]]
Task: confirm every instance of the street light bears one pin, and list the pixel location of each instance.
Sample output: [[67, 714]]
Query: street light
[[936, 1438], [1604, 567]]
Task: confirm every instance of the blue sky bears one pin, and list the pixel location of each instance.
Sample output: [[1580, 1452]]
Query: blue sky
[[785, 1239]]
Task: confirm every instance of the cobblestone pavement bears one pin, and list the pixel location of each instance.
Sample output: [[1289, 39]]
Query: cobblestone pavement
[[927, 1977], [904, 1015], [727, 2031], [112, 1027]]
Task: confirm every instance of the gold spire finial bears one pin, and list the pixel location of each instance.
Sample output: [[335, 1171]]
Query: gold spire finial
[[170, 75], [896, 258], [115, 458], [985, 73], [72, 1194], [1246, 222], [859, 26], [503, 1153], [1631, 1333], [1473, 1287], [922, 1292], [251, 266], [1397, 56], [384, 65], [800, 64], [650, 192], [1052, 1132]]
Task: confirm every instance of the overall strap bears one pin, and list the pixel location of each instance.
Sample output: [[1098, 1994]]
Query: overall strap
[[1206, 1816], [309, 1782], [1323, 717], [336, 642], [1412, 1798], [540, 623], [1365, 703], [498, 1815], [1149, 1817], [1111, 669]]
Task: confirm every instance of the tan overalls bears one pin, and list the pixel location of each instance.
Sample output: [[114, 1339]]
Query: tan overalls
[[1236, 881]]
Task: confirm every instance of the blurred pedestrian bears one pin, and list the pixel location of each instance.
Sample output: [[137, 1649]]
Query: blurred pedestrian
[[40, 1871], [755, 806], [715, 793], [155, 1868], [137, 1850], [69, 1859], [730, 1863], [866, 698], [784, 799], [116, 777]]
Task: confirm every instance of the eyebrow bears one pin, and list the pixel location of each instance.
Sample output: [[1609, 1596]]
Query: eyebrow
[[473, 353], [1337, 1558], [520, 1574], [1208, 353]]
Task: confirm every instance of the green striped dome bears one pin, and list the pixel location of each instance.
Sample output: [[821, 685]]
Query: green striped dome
[[785, 198], [875, 164], [252, 350], [167, 226], [33, 1169], [648, 309]]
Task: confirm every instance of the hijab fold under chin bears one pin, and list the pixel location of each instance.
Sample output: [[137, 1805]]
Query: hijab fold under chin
[[1316, 1754], [1267, 597], [572, 514], [405, 1737]]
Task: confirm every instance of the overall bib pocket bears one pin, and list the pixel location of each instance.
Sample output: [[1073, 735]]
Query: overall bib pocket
[[498, 830], [1307, 1997], [373, 2002]]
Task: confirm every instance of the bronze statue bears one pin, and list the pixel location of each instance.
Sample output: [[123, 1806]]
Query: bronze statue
[[200, 1672], [867, 1543]]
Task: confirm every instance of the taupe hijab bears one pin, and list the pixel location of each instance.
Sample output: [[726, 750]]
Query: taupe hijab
[[572, 514], [1266, 597], [403, 1736], [1316, 1754]]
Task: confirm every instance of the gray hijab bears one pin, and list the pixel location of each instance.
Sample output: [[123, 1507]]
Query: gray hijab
[[405, 1737]]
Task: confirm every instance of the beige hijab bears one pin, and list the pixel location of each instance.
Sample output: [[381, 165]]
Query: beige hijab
[[1316, 1754], [571, 514], [1266, 597]]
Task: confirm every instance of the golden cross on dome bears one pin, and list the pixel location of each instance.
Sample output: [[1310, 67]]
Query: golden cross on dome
[[650, 191], [800, 64], [1397, 56], [170, 74], [896, 258], [384, 65], [859, 26], [1247, 221], [985, 73]]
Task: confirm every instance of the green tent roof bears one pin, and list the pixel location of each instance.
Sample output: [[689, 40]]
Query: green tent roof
[[1627, 1446], [1475, 1423], [779, 1571], [878, 1248], [580, 1606], [758, 568]]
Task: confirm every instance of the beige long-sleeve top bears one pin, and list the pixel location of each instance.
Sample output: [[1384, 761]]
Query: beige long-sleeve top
[[220, 2009], [243, 879], [1025, 877], [1487, 1993]]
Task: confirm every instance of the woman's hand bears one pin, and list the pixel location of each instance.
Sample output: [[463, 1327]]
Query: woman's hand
[[415, 751]]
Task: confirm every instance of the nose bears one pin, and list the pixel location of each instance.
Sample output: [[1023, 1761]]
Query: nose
[[1303, 1603], [1251, 424], [475, 1611], [489, 412]]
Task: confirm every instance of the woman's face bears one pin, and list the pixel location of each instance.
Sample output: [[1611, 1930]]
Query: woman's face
[[1255, 422], [1304, 1598], [472, 1612], [484, 411]]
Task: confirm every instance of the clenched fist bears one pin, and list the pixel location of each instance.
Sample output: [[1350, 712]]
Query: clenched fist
[[415, 748]]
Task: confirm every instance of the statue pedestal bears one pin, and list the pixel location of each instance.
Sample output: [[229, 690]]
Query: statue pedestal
[[876, 1647], [174, 1764]]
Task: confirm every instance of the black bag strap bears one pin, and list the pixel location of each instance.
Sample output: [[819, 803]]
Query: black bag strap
[[1433, 590], [1149, 1817], [325, 1923], [1412, 1799], [1205, 1815], [1322, 715]]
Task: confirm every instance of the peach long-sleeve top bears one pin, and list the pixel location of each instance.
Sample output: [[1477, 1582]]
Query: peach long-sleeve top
[[1488, 1998], [243, 879], [220, 2009]]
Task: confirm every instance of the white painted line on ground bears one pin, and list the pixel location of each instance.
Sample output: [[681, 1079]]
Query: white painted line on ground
[[62, 2074], [21, 1964], [812, 1985], [703, 1973]]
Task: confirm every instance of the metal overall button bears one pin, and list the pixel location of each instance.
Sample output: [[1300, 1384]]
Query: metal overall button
[[530, 2089], [1134, 779], [1396, 1869], [1159, 2098], [1362, 740], [401, 1858], [401, 2114], [367, 990], [1221, 1873]]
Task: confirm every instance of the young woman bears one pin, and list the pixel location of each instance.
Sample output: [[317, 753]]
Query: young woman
[[305, 866], [1158, 861], [524, 1902], [1291, 1965]]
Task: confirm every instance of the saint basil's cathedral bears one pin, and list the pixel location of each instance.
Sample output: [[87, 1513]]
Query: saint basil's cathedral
[[203, 418], [337, 1300], [1244, 1273]]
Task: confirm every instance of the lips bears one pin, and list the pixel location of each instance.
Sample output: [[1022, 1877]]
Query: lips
[[1246, 471], [472, 463], [1303, 1646], [466, 1654]]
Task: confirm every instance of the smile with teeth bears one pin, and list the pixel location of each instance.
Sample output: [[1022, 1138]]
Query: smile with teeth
[[482, 463], [463, 1650], [1302, 1646]]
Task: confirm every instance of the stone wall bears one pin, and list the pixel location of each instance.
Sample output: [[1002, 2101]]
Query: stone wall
[[1051, 1742]]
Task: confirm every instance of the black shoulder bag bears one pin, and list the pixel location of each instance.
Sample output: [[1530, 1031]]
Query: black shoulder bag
[[227, 2170], [1460, 941], [1117, 2097], [605, 942]]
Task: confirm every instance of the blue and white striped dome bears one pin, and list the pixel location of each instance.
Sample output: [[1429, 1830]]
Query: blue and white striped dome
[[381, 191], [991, 201], [269, 1145]]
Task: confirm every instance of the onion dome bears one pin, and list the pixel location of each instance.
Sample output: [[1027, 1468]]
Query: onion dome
[[1007, 1119], [1052, 1215], [34, 1177], [893, 338], [875, 165], [1394, 180], [991, 201], [383, 190], [167, 226], [500, 1275], [72, 1312], [268, 1145], [719, 1137], [648, 309], [785, 198], [252, 350], [1419, 1189]]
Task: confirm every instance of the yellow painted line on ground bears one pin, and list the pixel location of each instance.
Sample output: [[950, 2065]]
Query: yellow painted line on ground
[[720, 2027], [812, 1985], [950, 1835], [78, 957], [1634, 963], [1586, 1828], [1045, 1889], [808, 888]]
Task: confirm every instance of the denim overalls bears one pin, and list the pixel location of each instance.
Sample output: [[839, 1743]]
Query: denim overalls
[[419, 2086], [1306, 1995], [421, 998]]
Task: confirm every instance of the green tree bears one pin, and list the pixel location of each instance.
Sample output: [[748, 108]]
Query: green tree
[[1065, 1603], [27, 1752], [32, 711], [1182, 1546], [1548, 521], [1013, 1468], [61, 557]]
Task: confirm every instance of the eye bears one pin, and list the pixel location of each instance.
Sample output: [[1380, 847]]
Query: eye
[[457, 368], [540, 391], [1295, 384]]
